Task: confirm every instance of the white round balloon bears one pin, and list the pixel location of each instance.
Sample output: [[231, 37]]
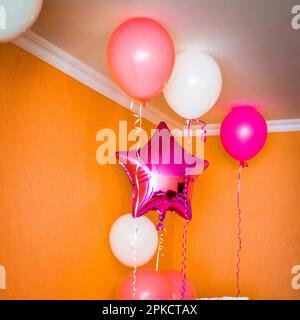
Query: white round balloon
[[194, 85], [129, 235], [17, 16]]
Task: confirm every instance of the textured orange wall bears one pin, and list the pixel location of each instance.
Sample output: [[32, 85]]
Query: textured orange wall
[[270, 222], [57, 204]]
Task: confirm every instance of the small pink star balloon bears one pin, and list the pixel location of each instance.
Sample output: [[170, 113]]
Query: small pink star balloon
[[162, 175]]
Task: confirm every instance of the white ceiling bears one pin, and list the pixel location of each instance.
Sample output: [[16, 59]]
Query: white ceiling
[[253, 41]]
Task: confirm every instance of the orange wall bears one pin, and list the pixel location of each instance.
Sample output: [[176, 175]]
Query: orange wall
[[57, 204], [270, 222]]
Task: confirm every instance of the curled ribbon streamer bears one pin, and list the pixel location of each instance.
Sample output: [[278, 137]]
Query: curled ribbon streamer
[[202, 123], [238, 254], [138, 129], [133, 243], [160, 247], [184, 236], [183, 268]]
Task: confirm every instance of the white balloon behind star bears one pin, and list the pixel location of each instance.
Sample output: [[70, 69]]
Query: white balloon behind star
[[133, 241]]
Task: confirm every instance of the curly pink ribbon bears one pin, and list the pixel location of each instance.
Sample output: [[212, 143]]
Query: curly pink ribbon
[[183, 263], [138, 129], [184, 236], [238, 254]]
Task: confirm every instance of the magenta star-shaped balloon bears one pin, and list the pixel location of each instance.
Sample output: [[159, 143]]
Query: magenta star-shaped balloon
[[159, 172]]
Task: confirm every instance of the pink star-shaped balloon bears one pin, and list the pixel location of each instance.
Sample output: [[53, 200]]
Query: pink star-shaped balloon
[[159, 172]]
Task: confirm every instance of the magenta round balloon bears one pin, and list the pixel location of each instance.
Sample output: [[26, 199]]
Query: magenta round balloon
[[243, 132]]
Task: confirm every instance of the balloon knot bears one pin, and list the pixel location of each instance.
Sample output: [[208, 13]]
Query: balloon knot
[[243, 164], [160, 226]]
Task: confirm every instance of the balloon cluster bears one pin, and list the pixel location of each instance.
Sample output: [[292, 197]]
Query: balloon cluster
[[134, 240], [141, 59], [152, 285]]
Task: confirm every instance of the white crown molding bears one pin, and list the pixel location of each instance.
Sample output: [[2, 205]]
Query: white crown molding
[[58, 58], [282, 125], [48, 52], [212, 129]]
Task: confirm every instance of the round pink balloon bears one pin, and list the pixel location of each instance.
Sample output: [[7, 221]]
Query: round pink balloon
[[150, 285], [175, 282], [140, 56], [243, 133]]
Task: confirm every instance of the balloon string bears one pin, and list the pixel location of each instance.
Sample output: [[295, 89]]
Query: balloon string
[[184, 237], [183, 267], [185, 191], [238, 254], [160, 247], [203, 125], [137, 130], [133, 243]]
